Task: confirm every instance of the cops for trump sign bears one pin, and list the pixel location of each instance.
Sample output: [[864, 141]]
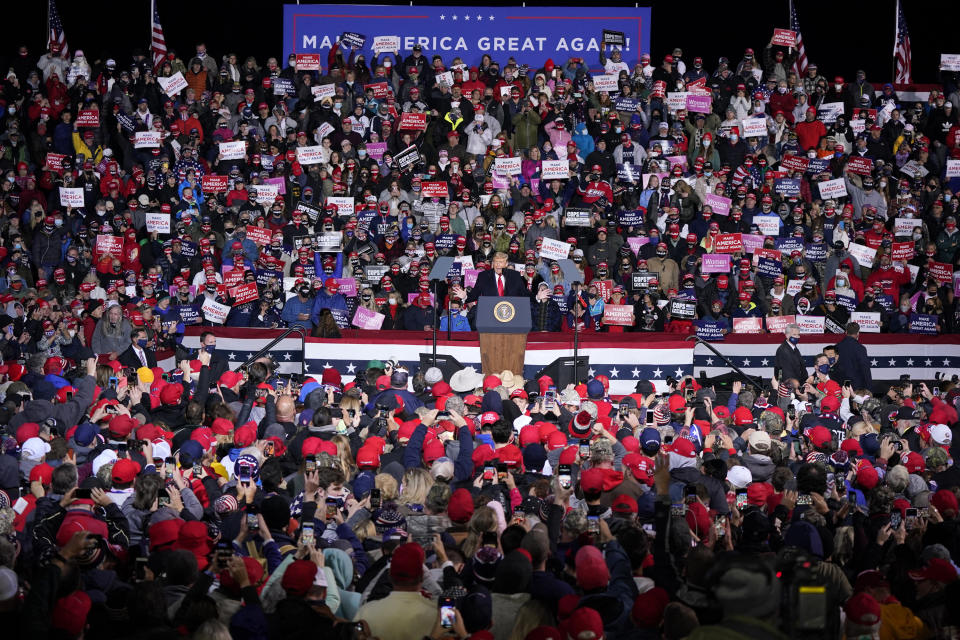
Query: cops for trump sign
[[467, 31]]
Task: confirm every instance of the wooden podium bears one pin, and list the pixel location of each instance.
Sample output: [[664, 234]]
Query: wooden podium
[[503, 324]]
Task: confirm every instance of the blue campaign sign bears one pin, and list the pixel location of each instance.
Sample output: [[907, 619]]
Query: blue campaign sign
[[709, 330], [530, 34]]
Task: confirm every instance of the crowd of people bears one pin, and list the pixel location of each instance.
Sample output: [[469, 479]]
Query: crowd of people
[[209, 503]]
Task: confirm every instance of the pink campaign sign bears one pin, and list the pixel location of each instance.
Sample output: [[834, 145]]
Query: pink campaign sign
[[715, 263], [719, 204], [366, 319], [636, 243]]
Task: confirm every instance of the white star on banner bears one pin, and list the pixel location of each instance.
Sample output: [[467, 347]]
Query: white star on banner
[[231, 356], [709, 362], [874, 363], [909, 362], [288, 356], [928, 362], [443, 17], [657, 374], [746, 362], [467, 18], [351, 367], [892, 362], [635, 373], [591, 372], [946, 362], [491, 17], [679, 372], [326, 365], [764, 362], [454, 16], [479, 18], [614, 372]]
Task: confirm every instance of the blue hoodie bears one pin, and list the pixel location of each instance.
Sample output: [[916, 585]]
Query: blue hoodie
[[585, 143]]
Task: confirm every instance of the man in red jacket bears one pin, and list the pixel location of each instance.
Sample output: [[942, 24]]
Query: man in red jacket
[[810, 130]]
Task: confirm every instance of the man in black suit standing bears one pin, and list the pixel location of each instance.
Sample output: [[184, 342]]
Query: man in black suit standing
[[853, 361], [137, 354], [789, 361], [499, 281]]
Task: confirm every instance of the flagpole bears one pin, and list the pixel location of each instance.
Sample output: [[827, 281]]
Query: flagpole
[[150, 31], [896, 36]]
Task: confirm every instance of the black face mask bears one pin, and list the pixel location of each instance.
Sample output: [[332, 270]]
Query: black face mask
[[304, 292]]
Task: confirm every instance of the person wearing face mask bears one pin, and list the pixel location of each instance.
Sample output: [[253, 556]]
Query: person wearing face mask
[[297, 311], [900, 319], [733, 150], [46, 247], [789, 361], [138, 354]]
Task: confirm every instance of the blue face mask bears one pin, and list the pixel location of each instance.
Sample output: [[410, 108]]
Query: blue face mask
[[824, 368], [210, 348], [832, 361], [142, 343], [794, 340]]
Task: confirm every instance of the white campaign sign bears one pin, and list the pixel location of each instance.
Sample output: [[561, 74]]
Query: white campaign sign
[[445, 79], [754, 127], [950, 61], [953, 168], [266, 193], [554, 170], [863, 254], [607, 83], [233, 150], [310, 155], [869, 321], [173, 85], [146, 139], [507, 165], [386, 44], [214, 311], [159, 222], [677, 100], [552, 249], [833, 188], [905, 226], [322, 91], [769, 225], [71, 196], [810, 324], [344, 204]]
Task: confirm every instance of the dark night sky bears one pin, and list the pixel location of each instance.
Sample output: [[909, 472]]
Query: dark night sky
[[840, 36]]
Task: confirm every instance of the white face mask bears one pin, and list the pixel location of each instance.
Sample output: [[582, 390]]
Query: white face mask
[[734, 138], [706, 142]]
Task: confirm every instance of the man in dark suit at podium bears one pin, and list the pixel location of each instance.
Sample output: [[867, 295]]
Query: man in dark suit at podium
[[499, 281]]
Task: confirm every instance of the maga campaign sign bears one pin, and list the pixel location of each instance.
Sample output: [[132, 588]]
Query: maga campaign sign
[[469, 31]]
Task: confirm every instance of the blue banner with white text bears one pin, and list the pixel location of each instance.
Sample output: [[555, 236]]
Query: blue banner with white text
[[529, 34]]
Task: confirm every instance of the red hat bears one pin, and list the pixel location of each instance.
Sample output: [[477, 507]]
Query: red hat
[[221, 427], [230, 379], [946, 503], [369, 457], [121, 426], [585, 622], [862, 610], [819, 436], [758, 493], [298, 578], [70, 613], [54, 365], [254, 572], [125, 470], [682, 447], [624, 504], [432, 450], [649, 606], [852, 447], [830, 403], [26, 431], [742, 415], [867, 476], [511, 456], [677, 403], [937, 570], [406, 564], [42, 473], [171, 393], [914, 463], [591, 480], [592, 570], [491, 382], [460, 507], [488, 417], [164, 533], [556, 440], [245, 435]]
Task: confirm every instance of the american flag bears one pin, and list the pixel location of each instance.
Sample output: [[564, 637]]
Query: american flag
[[157, 44], [800, 64], [58, 39], [901, 49]]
